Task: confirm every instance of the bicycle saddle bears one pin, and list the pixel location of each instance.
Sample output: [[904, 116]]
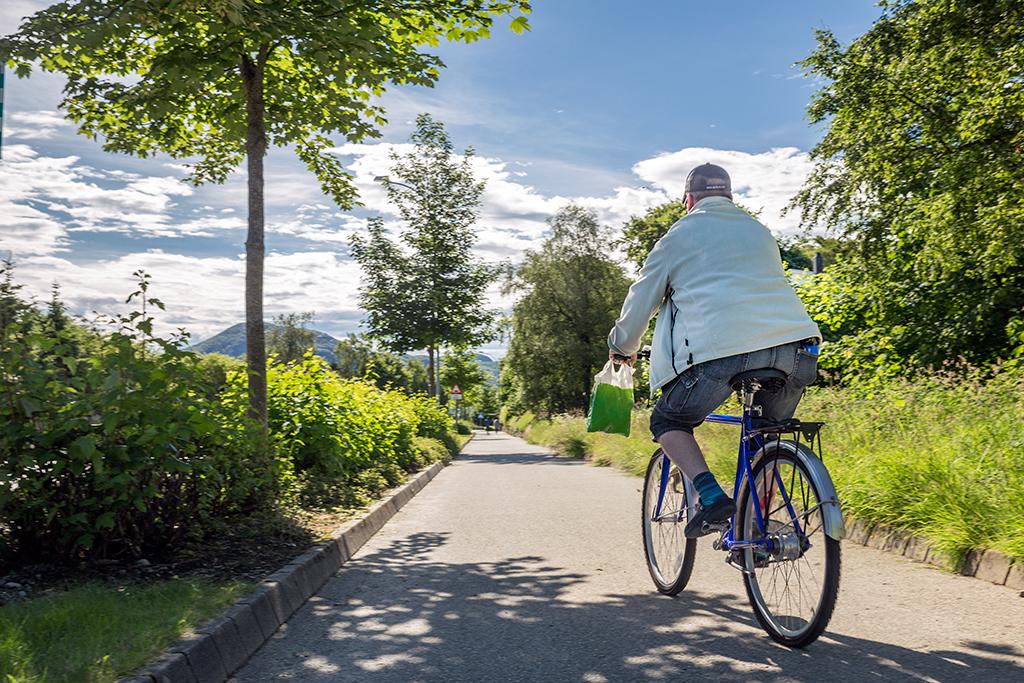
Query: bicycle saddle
[[770, 379]]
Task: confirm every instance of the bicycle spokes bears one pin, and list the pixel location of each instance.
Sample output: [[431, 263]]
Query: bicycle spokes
[[788, 573]]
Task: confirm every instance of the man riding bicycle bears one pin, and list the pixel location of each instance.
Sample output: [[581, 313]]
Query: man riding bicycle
[[724, 306]]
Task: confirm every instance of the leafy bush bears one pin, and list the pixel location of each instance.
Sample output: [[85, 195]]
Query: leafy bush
[[217, 368], [429, 451], [463, 428], [124, 443], [345, 438], [108, 444]]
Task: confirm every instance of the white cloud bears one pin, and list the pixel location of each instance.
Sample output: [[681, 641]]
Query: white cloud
[[35, 125], [205, 295], [764, 182], [44, 198], [14, 11]]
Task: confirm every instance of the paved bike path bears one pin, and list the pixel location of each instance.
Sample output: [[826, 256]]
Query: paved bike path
[[516, 565]]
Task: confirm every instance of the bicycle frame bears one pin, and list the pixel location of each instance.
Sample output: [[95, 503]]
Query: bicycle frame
[[743, 471], [750, 444]]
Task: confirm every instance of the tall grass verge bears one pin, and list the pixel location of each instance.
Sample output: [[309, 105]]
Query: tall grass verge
[[940, 457]]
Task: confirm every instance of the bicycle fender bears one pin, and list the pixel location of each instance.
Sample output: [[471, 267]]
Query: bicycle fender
[[831, 511]]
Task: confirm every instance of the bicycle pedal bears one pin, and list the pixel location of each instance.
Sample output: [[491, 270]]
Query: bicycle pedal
[[710, 527]]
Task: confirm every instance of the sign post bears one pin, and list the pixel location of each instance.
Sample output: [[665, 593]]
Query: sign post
[[456, 396]]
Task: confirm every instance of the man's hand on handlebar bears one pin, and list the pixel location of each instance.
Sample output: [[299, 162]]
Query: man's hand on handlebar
[[619, 360], [645, 353]]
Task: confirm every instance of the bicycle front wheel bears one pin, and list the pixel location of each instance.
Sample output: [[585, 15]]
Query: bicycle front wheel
[[793, 587], [669, 553]]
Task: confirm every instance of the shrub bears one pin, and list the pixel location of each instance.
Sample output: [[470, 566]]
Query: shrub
[[463, 428], [344, 437], [218, 368], [430, 451], [108, 444]]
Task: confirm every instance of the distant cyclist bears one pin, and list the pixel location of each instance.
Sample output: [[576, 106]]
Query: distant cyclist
[[724, 306]]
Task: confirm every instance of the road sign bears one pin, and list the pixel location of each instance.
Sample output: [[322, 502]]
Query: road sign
[[456, 393]]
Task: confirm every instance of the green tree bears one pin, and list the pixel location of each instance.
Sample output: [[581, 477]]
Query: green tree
[[357, 357], [432, 292], [289, 338], [489, 402], [640, 234], [218, 81], [352, 355], [921, 170], [461, 367], [570, 296]]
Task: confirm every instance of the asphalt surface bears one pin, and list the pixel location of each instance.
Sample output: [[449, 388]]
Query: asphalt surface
[[516, 565]]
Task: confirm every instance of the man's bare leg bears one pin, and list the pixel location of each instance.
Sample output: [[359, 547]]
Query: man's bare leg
[[682, 449], [715, 504]]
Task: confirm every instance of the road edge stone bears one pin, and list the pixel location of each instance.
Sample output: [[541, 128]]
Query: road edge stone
[[220, 647], [987, 565]]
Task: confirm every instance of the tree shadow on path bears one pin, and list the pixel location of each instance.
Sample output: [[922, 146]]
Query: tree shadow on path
[[399, 615]]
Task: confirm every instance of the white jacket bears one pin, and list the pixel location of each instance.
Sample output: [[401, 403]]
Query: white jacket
[[718, 274]]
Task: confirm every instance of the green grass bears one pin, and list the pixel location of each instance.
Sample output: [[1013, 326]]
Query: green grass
[[943, 459], [96, 633]]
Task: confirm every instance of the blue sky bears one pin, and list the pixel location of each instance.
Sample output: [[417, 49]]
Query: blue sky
[[604, 103]]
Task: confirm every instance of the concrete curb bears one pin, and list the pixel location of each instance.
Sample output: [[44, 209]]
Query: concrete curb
[[987, 565], [219, 648]]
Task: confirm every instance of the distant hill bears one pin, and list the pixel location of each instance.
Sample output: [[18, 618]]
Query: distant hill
[[231, 342]]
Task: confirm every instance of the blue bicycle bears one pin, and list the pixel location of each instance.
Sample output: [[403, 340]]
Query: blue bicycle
[[784, 537]]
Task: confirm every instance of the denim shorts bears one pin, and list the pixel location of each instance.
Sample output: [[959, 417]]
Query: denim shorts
[[691, 396]]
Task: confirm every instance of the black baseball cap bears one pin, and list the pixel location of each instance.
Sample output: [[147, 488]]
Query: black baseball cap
[[709, 178]]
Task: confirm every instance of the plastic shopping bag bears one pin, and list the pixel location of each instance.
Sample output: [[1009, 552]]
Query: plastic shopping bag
[[611, 402]]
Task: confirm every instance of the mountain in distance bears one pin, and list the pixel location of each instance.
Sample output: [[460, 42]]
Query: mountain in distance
[[231, 342]]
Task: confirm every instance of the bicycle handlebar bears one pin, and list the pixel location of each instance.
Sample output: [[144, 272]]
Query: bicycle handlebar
[[644, 353]]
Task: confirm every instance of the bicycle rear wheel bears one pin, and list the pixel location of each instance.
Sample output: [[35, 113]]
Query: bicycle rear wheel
[[669, 553], [793, 588]]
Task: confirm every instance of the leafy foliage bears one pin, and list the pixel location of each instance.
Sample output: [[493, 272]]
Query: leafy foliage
[[430, 291], [921, 170], [343, 437], [289, 338], [571, 294], [640, 234], [461, 367], [357, 357], [169, 77], [109, 443], [115, 441]]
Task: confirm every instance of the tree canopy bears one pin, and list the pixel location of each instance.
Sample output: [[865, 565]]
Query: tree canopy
[[358, 357], [167, 76], [571, 292], [289, 338], [214, 82], [429, 289], [921, 170]]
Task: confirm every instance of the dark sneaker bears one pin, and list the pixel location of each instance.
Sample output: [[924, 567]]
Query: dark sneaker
[[710, 518]]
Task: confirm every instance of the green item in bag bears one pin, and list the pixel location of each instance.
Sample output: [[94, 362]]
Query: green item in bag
[[611, 403]]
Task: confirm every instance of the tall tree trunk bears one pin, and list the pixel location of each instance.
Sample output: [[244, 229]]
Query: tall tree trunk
[[430, 370], [255, 149]]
